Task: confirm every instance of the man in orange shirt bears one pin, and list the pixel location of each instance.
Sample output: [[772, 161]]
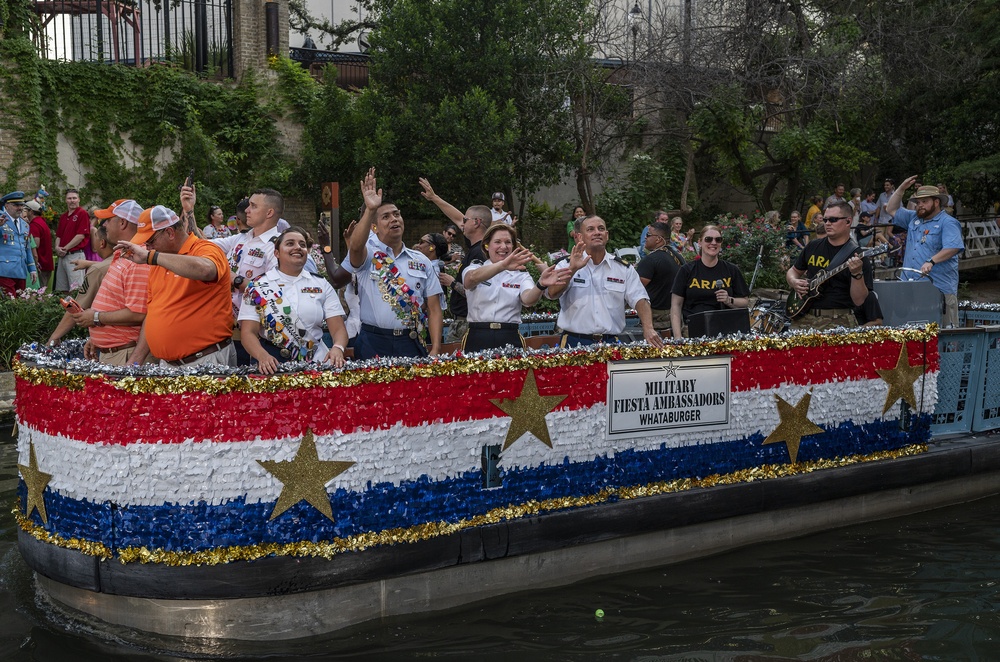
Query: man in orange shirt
[[189, 320], [119, 308]]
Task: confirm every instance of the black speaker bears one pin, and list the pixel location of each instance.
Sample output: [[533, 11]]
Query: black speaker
[[905, 301], [719, 322]]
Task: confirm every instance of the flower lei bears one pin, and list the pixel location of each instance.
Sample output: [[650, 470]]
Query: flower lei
[[276, 320], [404, 303]]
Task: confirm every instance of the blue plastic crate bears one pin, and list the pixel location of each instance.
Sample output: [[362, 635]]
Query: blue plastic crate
[[978, 317]]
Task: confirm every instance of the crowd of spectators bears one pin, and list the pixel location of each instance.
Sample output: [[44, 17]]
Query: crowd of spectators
[[155, 287]]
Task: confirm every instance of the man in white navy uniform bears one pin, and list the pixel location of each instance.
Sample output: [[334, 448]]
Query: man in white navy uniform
[[592, 303], [393, 283]]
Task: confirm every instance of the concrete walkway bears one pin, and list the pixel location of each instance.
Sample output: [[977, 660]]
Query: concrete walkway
[[6, 395]]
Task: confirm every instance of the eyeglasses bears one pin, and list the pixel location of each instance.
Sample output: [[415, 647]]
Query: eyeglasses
[[834, 219], [712, 240], [424, 240], [656, 234], [156, 235]]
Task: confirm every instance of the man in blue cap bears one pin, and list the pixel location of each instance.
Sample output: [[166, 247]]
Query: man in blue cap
[[17, 265]]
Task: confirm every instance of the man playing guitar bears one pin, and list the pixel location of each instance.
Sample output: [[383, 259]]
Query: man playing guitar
[[837, 298]]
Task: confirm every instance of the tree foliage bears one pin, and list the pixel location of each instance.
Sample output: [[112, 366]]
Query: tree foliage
[[784, 97], [475, 90]]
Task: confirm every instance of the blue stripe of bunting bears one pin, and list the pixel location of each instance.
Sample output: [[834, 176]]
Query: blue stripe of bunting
[[196, 527]]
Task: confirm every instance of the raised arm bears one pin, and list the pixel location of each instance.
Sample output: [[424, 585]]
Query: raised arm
[[357, 244], [447, 208], [577, 260], [896, 199]]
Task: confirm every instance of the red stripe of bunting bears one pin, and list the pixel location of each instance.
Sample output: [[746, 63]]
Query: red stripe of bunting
[[103, 414]]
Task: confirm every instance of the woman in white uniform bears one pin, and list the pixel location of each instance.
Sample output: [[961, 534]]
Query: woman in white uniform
[[498, 288], [281, 317]]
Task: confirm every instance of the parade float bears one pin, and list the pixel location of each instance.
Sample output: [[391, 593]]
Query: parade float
[[231, 505]]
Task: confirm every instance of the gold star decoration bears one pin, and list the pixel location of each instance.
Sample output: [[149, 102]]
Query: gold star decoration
[[900, 380], [527, 412], [304, 478], [36, 482], [794, 425]]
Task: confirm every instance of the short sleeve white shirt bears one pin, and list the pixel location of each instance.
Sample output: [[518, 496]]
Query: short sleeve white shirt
[[594, 301], [499, 298], [249, 256], [415, 270], [310, 299]]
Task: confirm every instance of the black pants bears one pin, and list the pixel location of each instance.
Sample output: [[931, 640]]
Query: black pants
[[476, 340]]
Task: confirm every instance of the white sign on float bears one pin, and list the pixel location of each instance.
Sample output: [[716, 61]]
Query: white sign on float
[[650, 397]]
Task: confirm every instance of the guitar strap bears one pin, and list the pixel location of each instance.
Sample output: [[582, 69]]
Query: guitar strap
[[843, 254]]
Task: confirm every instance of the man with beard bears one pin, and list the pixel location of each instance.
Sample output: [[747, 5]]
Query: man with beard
[[933, 242], [592, 303], [393, 283]]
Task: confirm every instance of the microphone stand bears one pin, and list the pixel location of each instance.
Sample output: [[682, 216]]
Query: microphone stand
[[756, 270]]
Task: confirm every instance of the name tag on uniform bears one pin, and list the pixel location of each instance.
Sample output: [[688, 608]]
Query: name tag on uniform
[[580, 280]]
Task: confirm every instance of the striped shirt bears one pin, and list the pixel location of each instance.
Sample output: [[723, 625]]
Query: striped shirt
[[124, 286]]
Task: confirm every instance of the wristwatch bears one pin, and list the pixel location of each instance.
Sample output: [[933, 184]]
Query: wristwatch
[[931, 260], [238, 281], [97, 319], [328, 249]]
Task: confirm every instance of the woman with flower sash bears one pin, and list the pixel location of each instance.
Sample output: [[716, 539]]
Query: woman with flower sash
[[282, 314]]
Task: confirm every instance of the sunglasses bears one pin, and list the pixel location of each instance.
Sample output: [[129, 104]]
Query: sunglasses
[[834, 219], [712, 240]]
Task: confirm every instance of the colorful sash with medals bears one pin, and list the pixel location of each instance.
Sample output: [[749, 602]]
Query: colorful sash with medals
[[278, 323], [400, 297]]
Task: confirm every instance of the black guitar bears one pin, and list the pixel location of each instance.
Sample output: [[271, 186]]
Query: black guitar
[[795, 306]]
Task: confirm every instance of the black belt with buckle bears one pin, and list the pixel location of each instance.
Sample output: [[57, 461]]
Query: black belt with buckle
[[596, 337], [494, 326], [379, 331], [211, 349]]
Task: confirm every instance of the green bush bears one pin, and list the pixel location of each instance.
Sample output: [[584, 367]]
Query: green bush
[[742, 238], [28, 318], [628, 202]]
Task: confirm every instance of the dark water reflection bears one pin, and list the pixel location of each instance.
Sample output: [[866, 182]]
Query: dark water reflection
[[923, 587]]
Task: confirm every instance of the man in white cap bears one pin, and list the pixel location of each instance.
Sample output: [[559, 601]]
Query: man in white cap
[[933, 242], [499, 215], [17, 264], [189, 320], [118, 310]]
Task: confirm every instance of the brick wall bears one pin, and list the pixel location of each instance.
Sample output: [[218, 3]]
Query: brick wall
[[250, 35]]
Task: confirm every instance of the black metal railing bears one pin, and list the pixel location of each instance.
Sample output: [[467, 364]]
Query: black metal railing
[[194, 34], [352, 68]]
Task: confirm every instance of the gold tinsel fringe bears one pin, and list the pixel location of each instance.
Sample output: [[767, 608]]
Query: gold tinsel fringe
[[464, 366]]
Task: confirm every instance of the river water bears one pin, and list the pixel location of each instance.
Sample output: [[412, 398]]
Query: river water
[[923, 587]]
